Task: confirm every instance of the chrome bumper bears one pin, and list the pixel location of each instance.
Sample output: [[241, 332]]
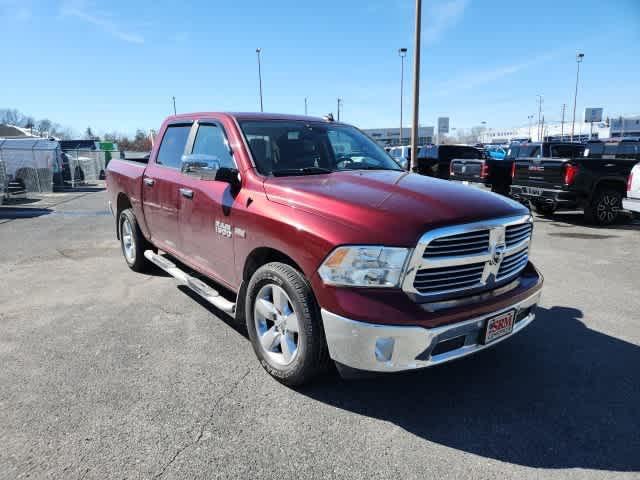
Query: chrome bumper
[[390, 348]]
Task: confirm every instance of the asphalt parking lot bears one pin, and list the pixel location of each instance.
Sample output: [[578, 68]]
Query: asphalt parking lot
[[105, 373]]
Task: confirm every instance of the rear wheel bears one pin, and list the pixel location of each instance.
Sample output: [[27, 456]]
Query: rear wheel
[[605, 207], [543, 208], [132, 242], [284, 324]]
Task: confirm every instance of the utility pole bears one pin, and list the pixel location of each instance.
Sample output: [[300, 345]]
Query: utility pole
[[416, 88], [403, 53], [174, 105], [564, 107], [258, 50], [579, 58], [305, 106], [540, 100], [339, 104]]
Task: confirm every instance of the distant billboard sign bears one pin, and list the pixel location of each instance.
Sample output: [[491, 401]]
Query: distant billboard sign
[[443, 124], [592, 115]]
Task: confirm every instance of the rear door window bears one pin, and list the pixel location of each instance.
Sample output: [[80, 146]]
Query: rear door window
[[173, 146], [594, 149], [610, 150], [627, 150], [565, 151]]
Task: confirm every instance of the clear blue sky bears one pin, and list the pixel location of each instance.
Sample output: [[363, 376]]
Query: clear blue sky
[[115, 65]]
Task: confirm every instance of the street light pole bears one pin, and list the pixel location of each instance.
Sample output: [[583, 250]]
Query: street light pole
[[305, 106], [416, 88], [564, 107], [403, 53], [258, 50], [540, 100], [174, 105], [339, 103], [530, 117], [579, 58]]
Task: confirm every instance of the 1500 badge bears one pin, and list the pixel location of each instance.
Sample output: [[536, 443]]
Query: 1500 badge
[[223, 229]]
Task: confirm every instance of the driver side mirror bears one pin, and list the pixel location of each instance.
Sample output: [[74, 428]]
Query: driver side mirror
[[207, 167], [203, 167]]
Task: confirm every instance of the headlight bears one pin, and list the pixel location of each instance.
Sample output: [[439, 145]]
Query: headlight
[[362, 266]]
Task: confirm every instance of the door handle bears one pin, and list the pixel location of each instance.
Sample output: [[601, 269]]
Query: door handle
[[149, 181], [185, 192]]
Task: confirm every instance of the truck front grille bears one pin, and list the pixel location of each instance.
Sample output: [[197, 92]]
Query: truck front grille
[[437, 280], [464, 259], [470, 243]]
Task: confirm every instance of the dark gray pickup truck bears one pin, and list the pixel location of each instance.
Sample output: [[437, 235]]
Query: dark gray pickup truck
[[591, 177]]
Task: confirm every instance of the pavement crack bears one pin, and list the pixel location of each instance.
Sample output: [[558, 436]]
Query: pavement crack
[[203, 427]]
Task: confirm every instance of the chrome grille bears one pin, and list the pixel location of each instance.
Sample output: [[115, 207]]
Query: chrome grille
[[470, 243], [469, 258], [517, 233], [512, 264], [448, 278]]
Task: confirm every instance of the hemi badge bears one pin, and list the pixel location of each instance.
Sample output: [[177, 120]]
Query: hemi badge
[[240, 232]]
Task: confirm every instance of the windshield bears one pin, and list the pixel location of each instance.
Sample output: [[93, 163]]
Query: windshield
[[281, 148]]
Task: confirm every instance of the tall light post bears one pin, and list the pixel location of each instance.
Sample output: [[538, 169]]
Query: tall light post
[[174, 105], [339, 105], [416, 87], [258, 51], [564, 108], [540, 101], [305, 105], [530, 117], [403, 53], [579, 58]]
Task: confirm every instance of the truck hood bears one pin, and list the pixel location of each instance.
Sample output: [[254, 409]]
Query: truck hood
[[389, 207]]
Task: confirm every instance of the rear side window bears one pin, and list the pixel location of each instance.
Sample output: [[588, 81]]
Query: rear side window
[[210, 140], [529, 151], [173, 145], [594, 149], [565, 151], [627, 149]]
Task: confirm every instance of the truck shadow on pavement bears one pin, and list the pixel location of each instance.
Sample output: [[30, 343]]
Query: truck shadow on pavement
[[558, 395]]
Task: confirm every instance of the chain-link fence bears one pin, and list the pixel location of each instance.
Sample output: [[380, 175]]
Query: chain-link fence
[[82, 166], [30, 165], [3, 182]]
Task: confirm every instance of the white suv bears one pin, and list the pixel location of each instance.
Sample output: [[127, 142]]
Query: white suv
[[632, 202]]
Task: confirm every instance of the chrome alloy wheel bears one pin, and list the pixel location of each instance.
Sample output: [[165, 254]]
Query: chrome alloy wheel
[[607, 208], [276, 324], [128, 241]]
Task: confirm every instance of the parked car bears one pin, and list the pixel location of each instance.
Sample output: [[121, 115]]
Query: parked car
[[632, 201], [490, 172], [306, 230], [591, 176], [435, 160], [402, 155]]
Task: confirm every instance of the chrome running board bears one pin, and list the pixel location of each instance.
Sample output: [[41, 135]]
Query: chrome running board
[[198, 286]]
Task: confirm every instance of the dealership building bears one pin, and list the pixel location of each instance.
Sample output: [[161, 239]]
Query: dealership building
[[391, 136]]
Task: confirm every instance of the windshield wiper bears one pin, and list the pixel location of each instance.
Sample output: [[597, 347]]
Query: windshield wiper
[[300, 171]]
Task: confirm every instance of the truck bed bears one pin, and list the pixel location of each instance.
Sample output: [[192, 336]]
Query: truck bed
[[126, 176]]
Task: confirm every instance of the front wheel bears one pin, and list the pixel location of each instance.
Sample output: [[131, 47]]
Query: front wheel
[[605, 207], [285, 325]]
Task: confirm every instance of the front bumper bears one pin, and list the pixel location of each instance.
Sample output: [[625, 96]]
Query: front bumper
[[632, 204], [391, 348]]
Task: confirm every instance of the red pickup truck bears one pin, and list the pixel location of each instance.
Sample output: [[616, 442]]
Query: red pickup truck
[[310, 233]]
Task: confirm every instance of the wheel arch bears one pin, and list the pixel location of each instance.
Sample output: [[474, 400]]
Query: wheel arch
[[122, 203]]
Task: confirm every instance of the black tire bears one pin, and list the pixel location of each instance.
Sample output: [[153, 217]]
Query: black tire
[[604, 208], [545, 209], [312, 357], [137, 262]]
